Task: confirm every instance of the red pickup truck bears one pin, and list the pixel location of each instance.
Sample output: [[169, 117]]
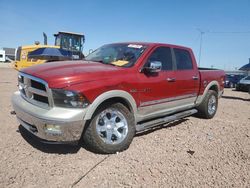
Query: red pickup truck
[[118, 90]]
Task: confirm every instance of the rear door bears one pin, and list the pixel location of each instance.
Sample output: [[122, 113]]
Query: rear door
[[186, 77]]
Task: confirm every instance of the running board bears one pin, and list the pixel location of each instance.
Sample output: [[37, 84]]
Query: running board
[[153, 123]]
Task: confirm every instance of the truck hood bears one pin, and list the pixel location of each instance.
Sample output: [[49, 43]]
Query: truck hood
[[66, 73]]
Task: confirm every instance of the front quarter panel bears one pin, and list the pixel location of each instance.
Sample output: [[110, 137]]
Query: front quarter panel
[[109, 95]]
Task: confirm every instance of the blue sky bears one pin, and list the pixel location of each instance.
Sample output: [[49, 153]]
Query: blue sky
[[106, 21]]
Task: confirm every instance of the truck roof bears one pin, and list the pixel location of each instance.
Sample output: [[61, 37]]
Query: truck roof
[[153, 44]]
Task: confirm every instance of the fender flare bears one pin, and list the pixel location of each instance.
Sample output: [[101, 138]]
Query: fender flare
[[108, 95], [201, 97]]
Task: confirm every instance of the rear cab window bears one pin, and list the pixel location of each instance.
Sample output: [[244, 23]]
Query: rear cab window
[[183, 59]]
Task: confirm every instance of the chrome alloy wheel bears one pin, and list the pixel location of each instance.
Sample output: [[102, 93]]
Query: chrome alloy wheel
[[212, 105], [111, 126]]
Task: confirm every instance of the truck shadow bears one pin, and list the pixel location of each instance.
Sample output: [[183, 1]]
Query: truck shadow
[[235, 98], [163, 126], [47, 148], [71, 149]]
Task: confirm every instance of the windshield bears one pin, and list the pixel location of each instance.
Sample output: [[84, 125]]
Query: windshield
[[124, 55]]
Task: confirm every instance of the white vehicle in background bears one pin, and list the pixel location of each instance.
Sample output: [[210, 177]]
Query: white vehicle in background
[[244, 84], [2, 56]]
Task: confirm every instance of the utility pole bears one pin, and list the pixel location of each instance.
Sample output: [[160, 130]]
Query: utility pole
[[201, 33]]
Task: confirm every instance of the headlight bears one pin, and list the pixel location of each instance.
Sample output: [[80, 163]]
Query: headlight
[[70, 99]]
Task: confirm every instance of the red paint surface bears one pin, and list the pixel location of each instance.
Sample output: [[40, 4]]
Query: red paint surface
[[92, 79]]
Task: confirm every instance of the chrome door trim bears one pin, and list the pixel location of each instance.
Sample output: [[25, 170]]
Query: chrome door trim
[[170, 99], [157, 110], [166, 106]]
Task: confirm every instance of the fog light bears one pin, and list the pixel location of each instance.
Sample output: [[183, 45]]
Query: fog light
[[52, 129]]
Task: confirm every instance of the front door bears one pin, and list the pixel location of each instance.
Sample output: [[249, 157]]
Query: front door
[[156, 89]]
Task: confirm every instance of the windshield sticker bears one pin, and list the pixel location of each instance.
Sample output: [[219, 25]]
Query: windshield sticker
[[135, 46], [120, 63]]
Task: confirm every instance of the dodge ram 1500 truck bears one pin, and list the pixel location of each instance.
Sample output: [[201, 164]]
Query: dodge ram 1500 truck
[[118, 90]]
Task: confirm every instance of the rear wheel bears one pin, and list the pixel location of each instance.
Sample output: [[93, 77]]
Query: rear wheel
[[111, 129], [207, 109]]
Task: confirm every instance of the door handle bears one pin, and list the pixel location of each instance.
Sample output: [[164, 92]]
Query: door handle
[[195, 77], [171, 79]]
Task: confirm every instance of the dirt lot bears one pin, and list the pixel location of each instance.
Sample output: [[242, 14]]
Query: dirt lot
[[191, 153]]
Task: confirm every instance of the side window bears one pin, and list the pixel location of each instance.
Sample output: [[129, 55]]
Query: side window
[[183, 59], [162, 54]]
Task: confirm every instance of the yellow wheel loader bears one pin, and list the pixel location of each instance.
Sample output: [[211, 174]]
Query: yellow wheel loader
[[67, 46]]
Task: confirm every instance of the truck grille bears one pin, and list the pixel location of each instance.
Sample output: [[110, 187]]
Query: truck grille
[[34, 90]]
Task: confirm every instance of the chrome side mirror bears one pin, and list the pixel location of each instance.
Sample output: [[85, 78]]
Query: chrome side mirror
[[154, 67]]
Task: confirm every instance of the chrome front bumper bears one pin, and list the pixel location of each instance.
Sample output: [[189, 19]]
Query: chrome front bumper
[[69, 122]]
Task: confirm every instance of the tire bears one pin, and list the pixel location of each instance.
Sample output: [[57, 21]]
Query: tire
[[106, 134], [207, 109]]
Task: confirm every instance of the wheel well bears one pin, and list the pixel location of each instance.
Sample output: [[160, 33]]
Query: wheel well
[[118, 100], [214, 88]]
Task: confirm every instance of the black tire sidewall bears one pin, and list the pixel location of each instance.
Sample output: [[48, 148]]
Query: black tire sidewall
[[203, 107], [209, 95]]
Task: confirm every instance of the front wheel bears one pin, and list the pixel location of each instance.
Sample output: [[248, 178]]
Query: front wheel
[[207, 109], [111, 129]]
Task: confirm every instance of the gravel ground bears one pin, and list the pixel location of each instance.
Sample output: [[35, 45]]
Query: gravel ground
[[188, 153]]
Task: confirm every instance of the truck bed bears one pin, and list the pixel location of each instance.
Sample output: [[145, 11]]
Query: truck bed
[[208, 75]]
